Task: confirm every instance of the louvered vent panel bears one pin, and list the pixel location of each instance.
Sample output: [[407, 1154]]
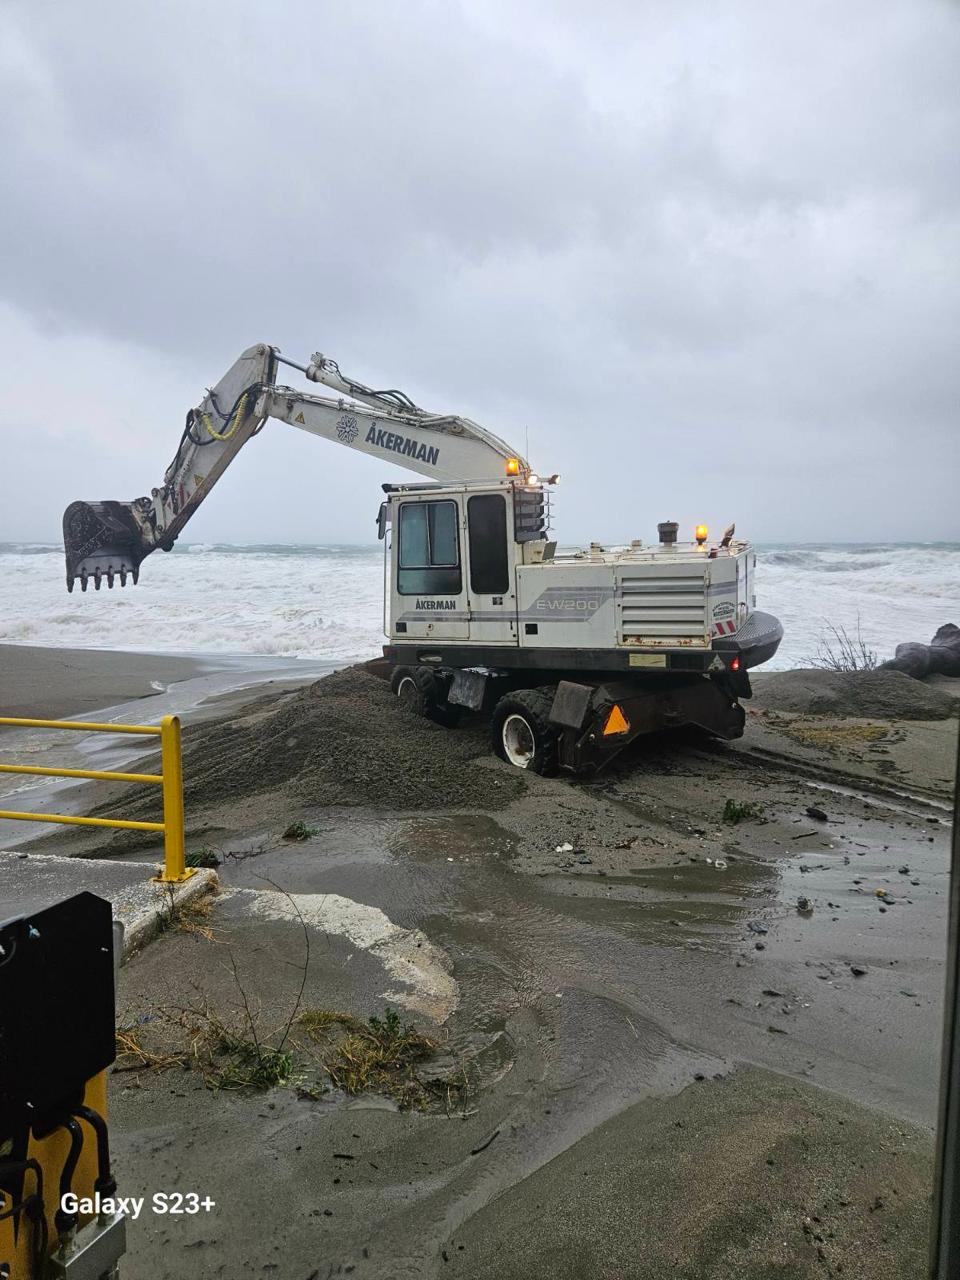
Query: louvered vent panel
[[662, 607]]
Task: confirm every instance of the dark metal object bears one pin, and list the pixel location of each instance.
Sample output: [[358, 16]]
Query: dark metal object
[[945, 1235], [467, 689], [667, 532], [571, 704], [648, 707], [94, 1251], [102, 540], [56, 989], [530, 514]]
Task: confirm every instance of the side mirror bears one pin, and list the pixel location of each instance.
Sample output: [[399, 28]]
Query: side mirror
[[383, 520]]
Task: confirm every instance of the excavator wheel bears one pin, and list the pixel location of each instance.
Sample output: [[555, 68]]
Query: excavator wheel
[[522, 733], [421, 691]]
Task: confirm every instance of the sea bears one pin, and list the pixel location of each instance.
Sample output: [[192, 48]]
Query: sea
[[326, 601]]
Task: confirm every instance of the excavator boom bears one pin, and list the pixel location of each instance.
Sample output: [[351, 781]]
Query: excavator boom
[[107, 541]]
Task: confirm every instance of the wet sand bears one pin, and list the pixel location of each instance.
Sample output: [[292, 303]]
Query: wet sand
[[678, 1072], [48, 684]]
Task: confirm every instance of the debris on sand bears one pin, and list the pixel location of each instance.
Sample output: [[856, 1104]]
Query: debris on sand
[[818, 815], [736, 811]]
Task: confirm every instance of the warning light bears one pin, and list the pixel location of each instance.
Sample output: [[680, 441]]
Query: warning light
[[735, 664], [701, 534], [616, 723], [513, 466]]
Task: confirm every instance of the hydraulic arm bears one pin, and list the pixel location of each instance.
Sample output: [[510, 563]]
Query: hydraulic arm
[[109, 540]]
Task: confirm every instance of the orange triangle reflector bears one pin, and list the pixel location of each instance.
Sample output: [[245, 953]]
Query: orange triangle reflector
[[617, 722]]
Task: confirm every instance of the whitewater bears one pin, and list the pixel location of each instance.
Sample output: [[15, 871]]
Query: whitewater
[[327, 602]]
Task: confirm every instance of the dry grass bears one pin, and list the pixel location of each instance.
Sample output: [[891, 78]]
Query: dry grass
[[837, 650], [835, 736], [132, 1055], [192, 916], [338, 1050], [381, 1056]]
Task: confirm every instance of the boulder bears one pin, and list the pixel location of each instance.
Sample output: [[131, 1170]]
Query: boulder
[[940, 657]]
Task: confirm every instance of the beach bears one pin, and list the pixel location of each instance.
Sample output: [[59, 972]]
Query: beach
[[48, 684], [671, 1065]]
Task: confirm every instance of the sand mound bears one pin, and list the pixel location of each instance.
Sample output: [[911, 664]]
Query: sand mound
[[885, 695], [344, 741]]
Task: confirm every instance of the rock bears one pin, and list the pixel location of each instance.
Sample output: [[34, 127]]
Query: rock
[[940, 657], [813, 812], [804, 906], [858, 970], [756, 926]]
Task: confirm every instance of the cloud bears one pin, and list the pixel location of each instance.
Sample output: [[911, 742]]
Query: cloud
[[704, 255]]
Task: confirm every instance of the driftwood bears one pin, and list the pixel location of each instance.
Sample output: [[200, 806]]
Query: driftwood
[[940, 657]]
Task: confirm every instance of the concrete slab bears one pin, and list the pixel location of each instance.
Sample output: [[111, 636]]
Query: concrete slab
[[30, 882]]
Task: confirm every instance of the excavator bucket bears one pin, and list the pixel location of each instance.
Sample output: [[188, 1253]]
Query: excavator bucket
[[102, 540]]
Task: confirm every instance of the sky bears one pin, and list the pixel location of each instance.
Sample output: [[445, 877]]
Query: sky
[[703, 257]]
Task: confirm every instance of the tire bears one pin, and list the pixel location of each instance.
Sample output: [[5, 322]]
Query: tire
[[521, 731], [419, 690]]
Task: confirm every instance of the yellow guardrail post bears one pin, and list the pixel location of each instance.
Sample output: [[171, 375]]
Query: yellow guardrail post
[[175, 868]]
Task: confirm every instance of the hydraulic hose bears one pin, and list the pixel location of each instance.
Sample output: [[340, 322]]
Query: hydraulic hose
[[33, 1206], [105, 1183], [64, 1221]]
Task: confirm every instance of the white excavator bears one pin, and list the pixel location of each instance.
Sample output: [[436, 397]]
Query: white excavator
[[573, 654]]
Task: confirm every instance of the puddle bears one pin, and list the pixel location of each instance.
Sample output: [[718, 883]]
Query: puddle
[[458, 837]]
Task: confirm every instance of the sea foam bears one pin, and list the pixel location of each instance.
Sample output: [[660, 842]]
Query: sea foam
[[326, 601]]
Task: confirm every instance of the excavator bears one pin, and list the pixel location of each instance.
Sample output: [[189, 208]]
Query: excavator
[[573, 654]]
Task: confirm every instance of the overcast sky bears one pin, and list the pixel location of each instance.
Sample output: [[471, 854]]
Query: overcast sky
[[704, 254]]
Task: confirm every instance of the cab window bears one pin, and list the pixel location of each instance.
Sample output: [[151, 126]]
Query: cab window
[[487, 525], [428, 563]]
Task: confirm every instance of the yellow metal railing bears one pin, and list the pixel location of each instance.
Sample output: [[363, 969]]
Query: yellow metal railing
[[170, 779]]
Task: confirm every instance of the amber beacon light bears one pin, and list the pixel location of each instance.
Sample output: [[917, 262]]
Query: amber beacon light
[[701, 534]]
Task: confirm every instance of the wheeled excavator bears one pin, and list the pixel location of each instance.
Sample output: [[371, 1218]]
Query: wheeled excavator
[[573, 654]]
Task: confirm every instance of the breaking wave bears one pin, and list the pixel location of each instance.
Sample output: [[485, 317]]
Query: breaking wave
[[326, 601]]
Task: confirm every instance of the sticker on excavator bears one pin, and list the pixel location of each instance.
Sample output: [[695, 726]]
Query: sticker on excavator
[[617, 722], [648, 659]]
